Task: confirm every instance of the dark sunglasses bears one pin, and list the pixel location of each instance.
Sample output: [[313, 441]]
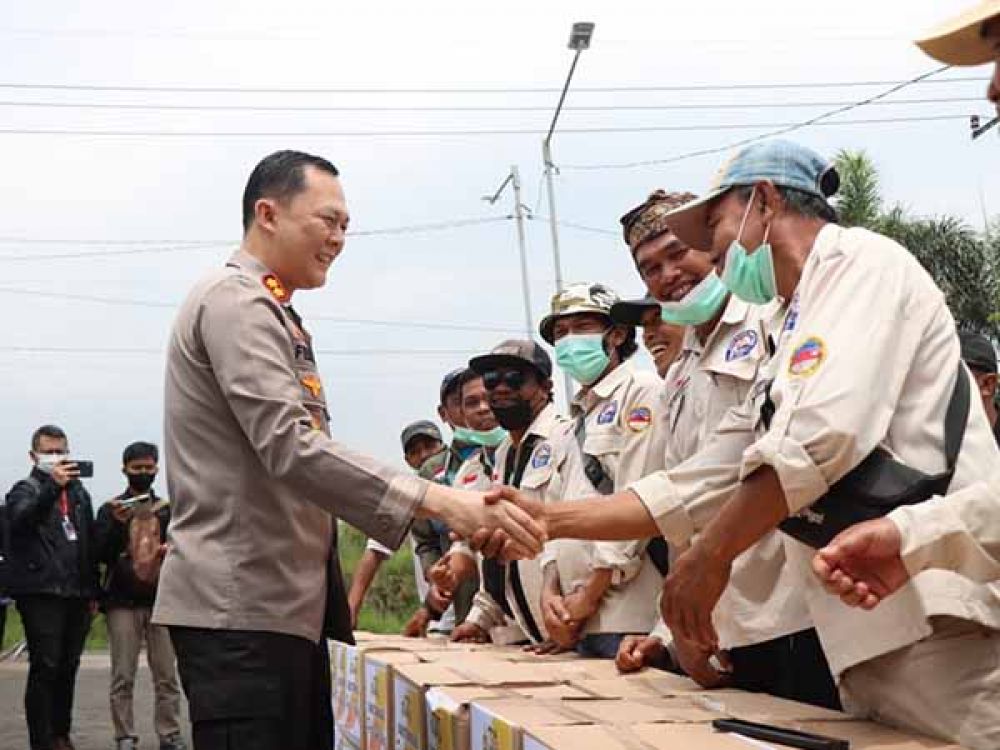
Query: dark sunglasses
[[513, 379]]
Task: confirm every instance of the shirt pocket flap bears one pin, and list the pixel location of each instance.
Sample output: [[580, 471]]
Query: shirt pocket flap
[[601, 444]]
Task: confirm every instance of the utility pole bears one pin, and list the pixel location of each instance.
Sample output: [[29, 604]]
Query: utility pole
[[514, 180]]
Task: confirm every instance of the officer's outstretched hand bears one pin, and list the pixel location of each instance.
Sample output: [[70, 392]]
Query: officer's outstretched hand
[[862, 564], [690, 593], [469, 515]]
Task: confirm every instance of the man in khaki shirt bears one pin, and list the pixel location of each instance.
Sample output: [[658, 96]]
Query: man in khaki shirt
[[962, 532], [257, 482], [765, 632], [604, 590]]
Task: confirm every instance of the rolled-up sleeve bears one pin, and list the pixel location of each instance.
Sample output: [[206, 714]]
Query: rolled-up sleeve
[[960, 532], [247, 345], [839, 374], [683, 499]]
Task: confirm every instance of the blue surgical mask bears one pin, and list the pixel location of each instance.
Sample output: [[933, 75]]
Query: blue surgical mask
[[582, 355], [750, 275], [699, 305], [485, 438]]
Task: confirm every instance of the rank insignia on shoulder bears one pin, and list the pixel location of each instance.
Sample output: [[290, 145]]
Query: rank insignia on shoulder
[[807, 357], [640, 418], [273, 284], [742, 344], [312, 384], [542, 456], [608, 413]]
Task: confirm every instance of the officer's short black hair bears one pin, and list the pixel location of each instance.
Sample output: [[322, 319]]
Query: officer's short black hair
[[468, 375], [629, 346], [140, 450], [49, 431], [280, 176]]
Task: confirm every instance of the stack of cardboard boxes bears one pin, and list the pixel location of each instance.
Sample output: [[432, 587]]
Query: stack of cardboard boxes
[[392, 693]]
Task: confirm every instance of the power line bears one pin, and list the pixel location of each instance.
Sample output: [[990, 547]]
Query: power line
[[147, 106], [166, 246], [781, 130], [465, 90], [124, 302], [783, 127], [579, 227], [146, 351]]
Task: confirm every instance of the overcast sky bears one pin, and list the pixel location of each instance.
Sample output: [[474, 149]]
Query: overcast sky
[[124, 193]]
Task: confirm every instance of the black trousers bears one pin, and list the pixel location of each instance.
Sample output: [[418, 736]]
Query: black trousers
[[250, 690], [792, 667], [55, 629]]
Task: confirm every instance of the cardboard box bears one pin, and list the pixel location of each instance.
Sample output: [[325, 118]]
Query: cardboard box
[[551, 692], [581, 737], [502, 724], [378, 696], [630, 711], [763, 708], [448, 710]]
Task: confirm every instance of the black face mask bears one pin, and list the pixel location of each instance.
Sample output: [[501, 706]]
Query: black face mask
[[140, 483], [515, 417]]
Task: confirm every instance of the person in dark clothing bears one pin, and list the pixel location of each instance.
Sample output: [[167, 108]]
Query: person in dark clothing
[[135, 522], [53, 580]]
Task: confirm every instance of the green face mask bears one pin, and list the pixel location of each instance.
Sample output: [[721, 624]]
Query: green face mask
[[582, 355], [485, 438], [699, 305], [750, 275]]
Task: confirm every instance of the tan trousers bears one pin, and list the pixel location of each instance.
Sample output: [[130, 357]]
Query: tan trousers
[[127, 629], [945, 686]]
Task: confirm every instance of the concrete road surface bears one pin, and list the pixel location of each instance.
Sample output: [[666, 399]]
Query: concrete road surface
[[91, 716]]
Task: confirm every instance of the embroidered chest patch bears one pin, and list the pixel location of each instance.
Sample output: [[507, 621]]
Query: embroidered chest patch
[[792, 319], [640, 418], [742, 345], [542, 456], [608, 413], [807, 357]]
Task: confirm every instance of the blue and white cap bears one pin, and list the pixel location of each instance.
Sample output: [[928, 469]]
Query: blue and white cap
[[784, 163]]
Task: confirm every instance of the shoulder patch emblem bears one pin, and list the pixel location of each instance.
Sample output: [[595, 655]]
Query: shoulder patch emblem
[[273, 284], [640, 418], [807, 357], [742, 344], [542, 456], [608, 413], [468, 479], [312, 384]]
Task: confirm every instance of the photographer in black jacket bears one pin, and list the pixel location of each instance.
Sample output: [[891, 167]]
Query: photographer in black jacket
[[53, 581], [128, 596]]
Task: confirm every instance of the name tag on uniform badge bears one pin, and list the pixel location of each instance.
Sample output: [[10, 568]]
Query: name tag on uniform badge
[[68, 529], [608, 413], [542, 456], [742, 345], [792, 319], [640, 418]]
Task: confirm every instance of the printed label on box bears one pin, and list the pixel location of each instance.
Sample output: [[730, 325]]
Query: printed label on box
[[376, 706], [490, 733], [408, 716]]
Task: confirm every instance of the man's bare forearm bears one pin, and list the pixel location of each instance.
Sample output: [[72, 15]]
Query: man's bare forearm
[[757, 508], [364, 574], [617, 517]]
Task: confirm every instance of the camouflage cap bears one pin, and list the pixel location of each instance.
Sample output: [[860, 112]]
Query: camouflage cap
[[648, 219], [574, 299]]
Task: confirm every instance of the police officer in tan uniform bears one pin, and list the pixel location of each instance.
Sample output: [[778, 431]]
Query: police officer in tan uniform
[[604, 590], [870, 561], [257, 482]]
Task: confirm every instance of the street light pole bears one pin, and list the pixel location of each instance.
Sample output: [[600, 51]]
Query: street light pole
[[514, 180], [579, 40]]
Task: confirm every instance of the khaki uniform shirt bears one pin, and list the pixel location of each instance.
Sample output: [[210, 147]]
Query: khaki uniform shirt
[[255, 480], [763, 600], [960, 532], [867, 357], [626, 433], [553, 471]]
